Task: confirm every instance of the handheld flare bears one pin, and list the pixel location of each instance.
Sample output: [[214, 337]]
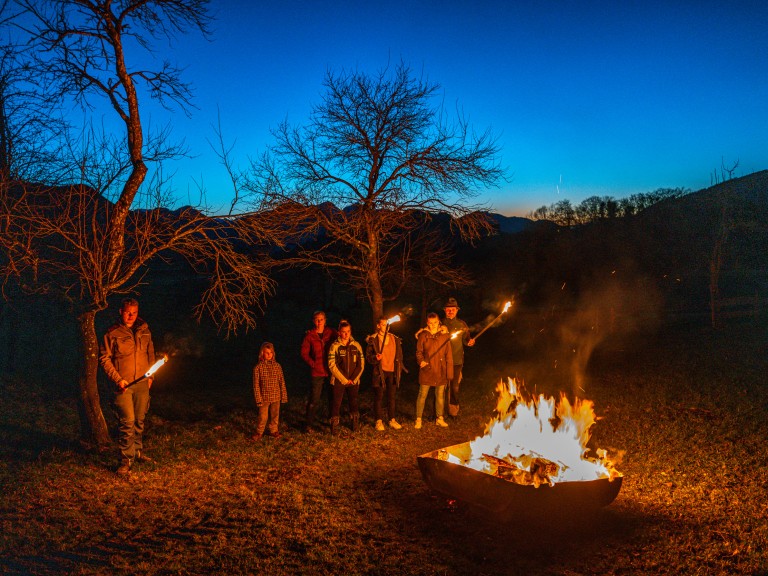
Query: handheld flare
[[152, 369]]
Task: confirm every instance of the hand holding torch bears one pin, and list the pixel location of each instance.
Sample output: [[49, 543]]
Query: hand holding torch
[[150, 372], [453, 335]]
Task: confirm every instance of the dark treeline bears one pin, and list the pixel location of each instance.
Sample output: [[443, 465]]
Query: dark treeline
[[594, 208]]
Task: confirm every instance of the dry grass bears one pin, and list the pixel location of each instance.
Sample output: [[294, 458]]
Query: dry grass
[[690, 409]]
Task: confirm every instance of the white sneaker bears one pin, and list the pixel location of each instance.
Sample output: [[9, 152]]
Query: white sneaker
[[418, 424], [394, 424], [379, 425], [442, 423]]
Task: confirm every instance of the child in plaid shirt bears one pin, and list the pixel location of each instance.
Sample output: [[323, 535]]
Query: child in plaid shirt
[[269, 391]]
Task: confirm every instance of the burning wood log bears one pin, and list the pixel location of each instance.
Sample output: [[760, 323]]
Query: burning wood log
[[524, 469]]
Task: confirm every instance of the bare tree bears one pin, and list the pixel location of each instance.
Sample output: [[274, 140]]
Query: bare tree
[[84, 239], [374, 157]]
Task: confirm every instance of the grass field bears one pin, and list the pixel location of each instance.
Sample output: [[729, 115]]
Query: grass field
[[689, 408]]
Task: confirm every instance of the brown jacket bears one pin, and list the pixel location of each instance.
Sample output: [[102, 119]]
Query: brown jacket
[[125, 353], [435, 349]]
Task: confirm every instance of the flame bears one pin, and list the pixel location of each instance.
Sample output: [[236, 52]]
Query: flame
[[156, 366], [454, 334], [506, 307], [395, 318], [540, 436]]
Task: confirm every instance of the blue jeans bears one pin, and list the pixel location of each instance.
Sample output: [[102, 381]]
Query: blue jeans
[[422, 398]]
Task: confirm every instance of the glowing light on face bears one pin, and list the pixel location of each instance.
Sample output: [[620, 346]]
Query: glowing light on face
[[128, 315]]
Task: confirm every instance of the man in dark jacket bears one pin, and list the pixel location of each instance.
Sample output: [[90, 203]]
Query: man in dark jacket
[[454, 324], [126, 354], [384, 353], [314, 351]]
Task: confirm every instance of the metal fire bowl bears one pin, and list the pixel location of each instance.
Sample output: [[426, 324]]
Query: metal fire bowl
[[507, 500]]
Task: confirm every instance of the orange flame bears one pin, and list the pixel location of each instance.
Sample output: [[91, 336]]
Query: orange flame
[[394, 319], [540, 428]]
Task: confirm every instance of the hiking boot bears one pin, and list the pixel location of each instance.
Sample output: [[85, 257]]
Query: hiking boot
[[256, 437], [394, 424], [355, 422], [125, 468], [276, 434], [418, 424], [442, 423], [141, 457], [379, 425], [453, 410], [334, 425]]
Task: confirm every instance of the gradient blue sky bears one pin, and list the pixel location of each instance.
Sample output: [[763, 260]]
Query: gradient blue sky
[[586, 98]]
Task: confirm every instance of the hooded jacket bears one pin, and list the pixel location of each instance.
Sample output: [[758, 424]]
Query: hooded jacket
[[436, 350]]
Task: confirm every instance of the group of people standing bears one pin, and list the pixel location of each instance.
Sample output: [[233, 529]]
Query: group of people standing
[[337, 358], [334, 357]]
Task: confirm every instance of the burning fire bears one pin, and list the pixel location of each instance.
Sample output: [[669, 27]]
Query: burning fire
[[538, 441], [154, 368], [395, 318]]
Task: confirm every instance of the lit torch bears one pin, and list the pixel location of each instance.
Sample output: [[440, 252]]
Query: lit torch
[[152, 369], [395, 318], [492, 322]]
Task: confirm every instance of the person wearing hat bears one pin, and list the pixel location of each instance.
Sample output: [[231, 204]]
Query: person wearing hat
[[453, 324]]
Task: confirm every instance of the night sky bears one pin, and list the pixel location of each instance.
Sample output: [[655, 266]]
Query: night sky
[[586, 98]]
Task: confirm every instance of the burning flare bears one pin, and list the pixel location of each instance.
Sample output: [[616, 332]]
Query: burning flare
[[395, 318], [154, 368], [538, 441]]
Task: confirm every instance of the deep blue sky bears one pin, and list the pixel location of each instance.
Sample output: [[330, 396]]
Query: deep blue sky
[[587, 98]]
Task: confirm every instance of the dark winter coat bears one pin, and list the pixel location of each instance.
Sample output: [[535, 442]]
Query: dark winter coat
[[436, 350], [457, 344]]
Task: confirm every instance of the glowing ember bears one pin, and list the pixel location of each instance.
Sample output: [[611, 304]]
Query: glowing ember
[[538, 441]]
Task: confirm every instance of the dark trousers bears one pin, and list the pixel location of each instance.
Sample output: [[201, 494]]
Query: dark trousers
[[386, 385], [131, 407], [338, 395], [453, 386], [315, 396]]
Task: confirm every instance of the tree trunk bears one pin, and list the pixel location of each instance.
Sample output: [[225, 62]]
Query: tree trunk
[[93, 427], [377, 302]]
